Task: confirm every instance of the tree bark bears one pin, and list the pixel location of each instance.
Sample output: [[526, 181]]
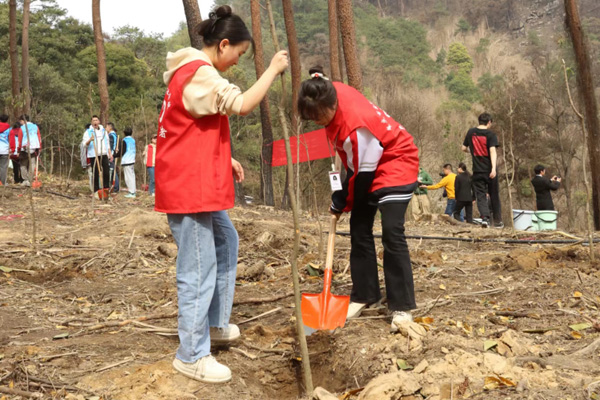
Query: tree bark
[[346, 15], [25, 58], [586, 86], [290, 29], [193, 18], [334, 54], [266, 169], [101, 56], [14, 58]]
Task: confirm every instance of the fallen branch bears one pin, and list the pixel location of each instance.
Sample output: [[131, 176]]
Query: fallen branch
[[275, 351], [244, 353], [273, 311], [490, 291], [120, 323], [125, 361], [60, 194], [256, 300], [516, 314], [541, 330], [589, 349], [22, 393]]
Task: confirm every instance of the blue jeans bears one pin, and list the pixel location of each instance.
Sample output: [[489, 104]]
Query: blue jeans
[[114, 176], [206, 268], [451, 203], [150, 179]]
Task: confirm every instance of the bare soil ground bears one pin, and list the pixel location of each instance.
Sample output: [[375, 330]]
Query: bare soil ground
[[91, 312]]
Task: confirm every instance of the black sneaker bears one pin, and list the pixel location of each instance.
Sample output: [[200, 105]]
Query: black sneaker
[[485, 223]]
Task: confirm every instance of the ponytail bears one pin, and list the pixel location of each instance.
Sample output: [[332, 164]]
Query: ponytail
[[223, 24], [316, 94]]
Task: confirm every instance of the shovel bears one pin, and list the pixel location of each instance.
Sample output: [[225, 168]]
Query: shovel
[[36, 184], [325, 310]]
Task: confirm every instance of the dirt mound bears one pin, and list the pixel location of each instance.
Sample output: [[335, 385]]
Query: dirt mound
[[146, 223]]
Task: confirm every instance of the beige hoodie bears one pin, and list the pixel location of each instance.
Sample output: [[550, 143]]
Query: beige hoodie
[[208, 93]]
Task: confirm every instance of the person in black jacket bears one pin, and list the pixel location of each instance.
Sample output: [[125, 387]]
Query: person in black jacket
[[463, 188], [543, 186]]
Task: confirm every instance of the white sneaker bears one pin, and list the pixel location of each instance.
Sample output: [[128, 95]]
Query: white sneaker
[[25, 183], [224, 335], [398, 317], [354, 309], [207, 369]]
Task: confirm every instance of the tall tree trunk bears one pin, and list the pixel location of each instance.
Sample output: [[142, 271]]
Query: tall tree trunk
[[101, 56], [334, 54], [586, 89], [25, 57], [14, 58], [266, 169], [346, 15], [193, 18], [290, 29]]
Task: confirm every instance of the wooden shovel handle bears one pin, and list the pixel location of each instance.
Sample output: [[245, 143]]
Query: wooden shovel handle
[[331, 243]]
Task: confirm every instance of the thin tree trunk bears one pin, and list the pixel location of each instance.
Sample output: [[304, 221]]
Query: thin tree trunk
[[585, 82], [51, 157], [25, 57], [14, 58], [101, 57], [193, 18], [334, 54], [308, 384], [346, 15], [266, 169], [509, 181]]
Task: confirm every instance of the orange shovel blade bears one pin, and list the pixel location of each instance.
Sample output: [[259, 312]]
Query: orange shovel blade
[[324, 311], [36, 184]]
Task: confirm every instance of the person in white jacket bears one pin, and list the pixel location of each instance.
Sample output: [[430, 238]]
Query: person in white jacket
[[95, 139]]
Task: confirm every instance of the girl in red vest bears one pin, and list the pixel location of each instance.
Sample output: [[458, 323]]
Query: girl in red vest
[[194, 184], [382, 166]]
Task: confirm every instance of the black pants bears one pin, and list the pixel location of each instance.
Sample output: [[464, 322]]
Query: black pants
[[458, 207], [483, 185], [396, 258], [103, 161], [16, 171]]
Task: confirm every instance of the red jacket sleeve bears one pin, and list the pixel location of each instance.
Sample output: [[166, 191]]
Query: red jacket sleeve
[[40, 138], [11, 142]]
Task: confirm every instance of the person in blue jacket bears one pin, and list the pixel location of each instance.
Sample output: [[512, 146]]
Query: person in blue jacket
[[128, 161]]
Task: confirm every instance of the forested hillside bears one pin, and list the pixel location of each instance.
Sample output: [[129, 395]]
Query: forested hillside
[[432, 64]]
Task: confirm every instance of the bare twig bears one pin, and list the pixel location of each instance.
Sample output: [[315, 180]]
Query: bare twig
[[22, 393], [273, 311], [125, 361]]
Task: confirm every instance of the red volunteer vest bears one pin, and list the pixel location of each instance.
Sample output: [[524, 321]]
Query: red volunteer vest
[[193, 155], [151, 156], [398, 167]]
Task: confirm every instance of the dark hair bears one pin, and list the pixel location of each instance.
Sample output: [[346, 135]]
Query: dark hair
[[87, 126], [155, 137], [112, 125], [128, 131], [484, 119], [24, 117], [95, 116], [448, 166], [223, 24], [538, 169], [3, 118], [463, 166], [316, 94], [16, 125]]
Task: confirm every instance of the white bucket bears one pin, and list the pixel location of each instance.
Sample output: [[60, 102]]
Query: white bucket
[[522, 220]]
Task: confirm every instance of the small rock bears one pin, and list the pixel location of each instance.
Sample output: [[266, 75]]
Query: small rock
[[321, 394], [391, 386], [421, 367], [522, 386], [168, 249], [445, 350]]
